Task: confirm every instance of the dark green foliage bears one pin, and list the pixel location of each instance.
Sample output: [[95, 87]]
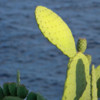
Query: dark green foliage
[[12, 98], [39, 97], [22, 91], [32, 96], [16, 91], [6, 89], [1, 93], [12, 89]]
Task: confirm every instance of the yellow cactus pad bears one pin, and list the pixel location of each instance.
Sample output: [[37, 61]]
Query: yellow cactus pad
[[94, 86], [55, 30], [97, 72], [77, 84]]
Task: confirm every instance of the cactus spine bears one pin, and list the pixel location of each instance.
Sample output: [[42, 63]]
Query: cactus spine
[[79, 84]]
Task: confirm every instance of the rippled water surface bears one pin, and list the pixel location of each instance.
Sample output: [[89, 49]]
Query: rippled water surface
[[23, 47]]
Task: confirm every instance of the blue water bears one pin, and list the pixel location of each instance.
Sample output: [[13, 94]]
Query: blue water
[[23, 47]]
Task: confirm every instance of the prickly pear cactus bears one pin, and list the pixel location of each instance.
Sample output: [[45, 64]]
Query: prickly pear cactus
[[98, 79], [93, 84], [16, 91], [11, 91], [79, 84], [77, 79], [55, 29], [89, 58]]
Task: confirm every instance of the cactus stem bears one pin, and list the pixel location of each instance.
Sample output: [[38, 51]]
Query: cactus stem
[[18, 77]]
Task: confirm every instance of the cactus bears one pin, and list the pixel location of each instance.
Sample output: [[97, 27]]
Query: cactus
[[81, 45], [17, 91], [80, 84], [77, 78], [98, 79], [58, 34], [89, 58], [93, 84]]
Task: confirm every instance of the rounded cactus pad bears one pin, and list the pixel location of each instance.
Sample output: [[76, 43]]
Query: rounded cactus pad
[[12, 89], [81, 45], [6, 89], [32, 96], [55, 30], [22, 91]]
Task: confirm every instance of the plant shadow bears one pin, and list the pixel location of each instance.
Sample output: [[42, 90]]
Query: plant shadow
[[80, 79]]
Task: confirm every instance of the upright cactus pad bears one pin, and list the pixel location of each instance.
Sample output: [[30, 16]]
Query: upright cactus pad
[[98, 72], [98, 79], [79, 84], [82, 45], [93, 83], [55, 29], [78, 79]]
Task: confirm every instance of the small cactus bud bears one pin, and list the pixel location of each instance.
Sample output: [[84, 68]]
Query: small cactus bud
[[89, 58], [82, 45]]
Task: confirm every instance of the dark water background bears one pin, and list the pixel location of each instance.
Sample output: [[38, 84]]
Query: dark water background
[[23, 47]]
